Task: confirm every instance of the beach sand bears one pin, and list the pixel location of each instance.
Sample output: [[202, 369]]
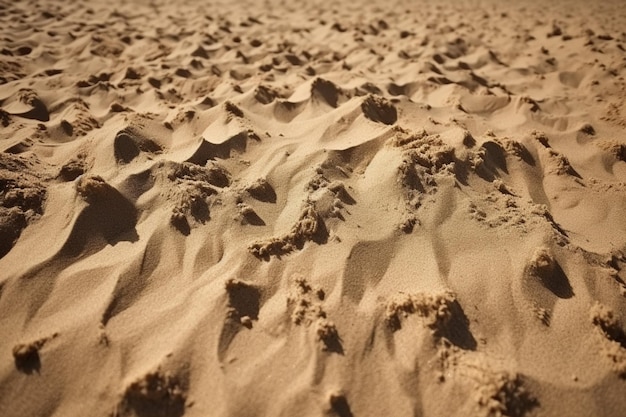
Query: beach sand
[[314, 208]]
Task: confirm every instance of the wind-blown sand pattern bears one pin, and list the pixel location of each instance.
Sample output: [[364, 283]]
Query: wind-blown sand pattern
[[312, 208]]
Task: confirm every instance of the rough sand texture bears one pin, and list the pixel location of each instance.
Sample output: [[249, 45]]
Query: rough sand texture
[[312, 208]]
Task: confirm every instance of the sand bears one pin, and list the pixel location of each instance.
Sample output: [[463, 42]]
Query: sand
[[312, 208]]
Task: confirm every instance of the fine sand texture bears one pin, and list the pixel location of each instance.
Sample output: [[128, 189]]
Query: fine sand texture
[[316, 208]]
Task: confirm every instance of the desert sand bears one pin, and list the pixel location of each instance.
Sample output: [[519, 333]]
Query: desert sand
[[318, 208]]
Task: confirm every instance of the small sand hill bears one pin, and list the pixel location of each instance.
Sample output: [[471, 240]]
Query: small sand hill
[[316, 209]]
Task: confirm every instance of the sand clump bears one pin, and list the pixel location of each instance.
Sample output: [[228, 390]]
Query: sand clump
[[22, 198], [306, 303], [339, 405], [93, 188], [435, 309], [26, 355], [379, 110], [156, 394], [192, 189], [500, 394], [426, 159], [542, 263], [309, 227], [74, 168], [243, 301], [614, 344], [128, 144], [262, 190], [613, 148]]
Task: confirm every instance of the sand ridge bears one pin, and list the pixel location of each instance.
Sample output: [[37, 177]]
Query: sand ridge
[[352, 209]]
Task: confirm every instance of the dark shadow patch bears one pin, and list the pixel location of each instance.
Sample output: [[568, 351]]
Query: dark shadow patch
[[154, 82], [67, 127], [183, 72], [72, 170], [155, 395], [571, 171], [243, 306], [19, 148], [339, 189], [461, 171], [526, 156], [23, 50], [457, 330], [468, 139], [209, 151], [27, 358], [264, 94], [440, 80], [108, 219], [339, 405], [12, 222], [495, 155], [410, 177], [232, 109], [38, 110], [262, 190], [132, 74], [587, 129], [193, 205], [5, 118], [327, 333], [200, 52], [558, 283], [199, 209], [480, 80], [544, 273], [124, 147], [379, 110], [137, 184], [397, 90], [180, 223], [325, 90], [250, 216], [494, 160], [548, 216], [128, 144], [243, 300], [368, 88]]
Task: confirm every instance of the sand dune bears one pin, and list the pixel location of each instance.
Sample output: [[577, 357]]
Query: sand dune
[[275, 208]]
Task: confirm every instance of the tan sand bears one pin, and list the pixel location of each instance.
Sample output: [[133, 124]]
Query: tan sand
[[315, 208]]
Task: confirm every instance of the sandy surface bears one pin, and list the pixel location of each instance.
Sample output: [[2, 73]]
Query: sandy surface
[[312, 208]]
